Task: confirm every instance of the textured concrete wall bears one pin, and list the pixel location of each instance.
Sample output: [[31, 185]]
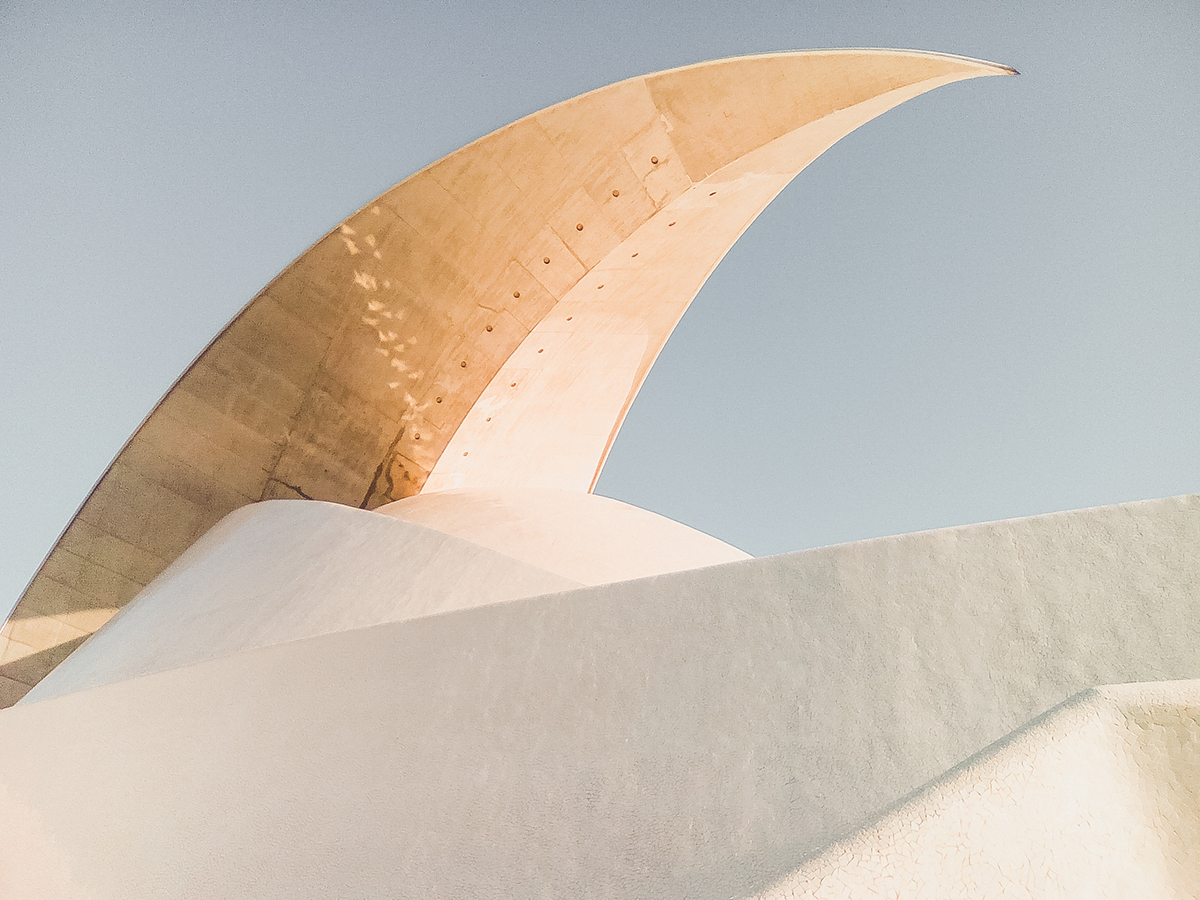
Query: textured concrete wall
[[695, 735], [1098, 799]]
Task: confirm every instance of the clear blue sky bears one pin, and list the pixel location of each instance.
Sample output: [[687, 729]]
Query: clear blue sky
[[984, 304]]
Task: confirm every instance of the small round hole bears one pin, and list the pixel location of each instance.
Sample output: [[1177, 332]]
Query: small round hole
[[654, 160], [463, 363], [416, 437], [438, 399], [579, 227], [546, 260], [516, 293], [488, 328], [616, 193]]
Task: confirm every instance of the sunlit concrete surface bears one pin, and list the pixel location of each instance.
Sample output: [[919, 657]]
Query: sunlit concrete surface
[[699, 734], [484, 324], [1098, 799], [286, 569], [593, 540]]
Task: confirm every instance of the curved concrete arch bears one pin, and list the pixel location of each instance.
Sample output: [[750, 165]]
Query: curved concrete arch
[[485, 323]]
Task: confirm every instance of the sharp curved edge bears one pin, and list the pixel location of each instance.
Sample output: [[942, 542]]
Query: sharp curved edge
[[1095, 798], [287, 570], [485, 323]]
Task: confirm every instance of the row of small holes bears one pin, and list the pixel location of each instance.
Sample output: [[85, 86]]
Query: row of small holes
[[517, 295], [579, 225]]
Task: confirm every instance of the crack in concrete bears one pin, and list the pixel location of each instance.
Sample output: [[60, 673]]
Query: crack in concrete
[[383, 470], [292, 487]]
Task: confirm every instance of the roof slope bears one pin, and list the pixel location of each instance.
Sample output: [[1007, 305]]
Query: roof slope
[[694, 736]]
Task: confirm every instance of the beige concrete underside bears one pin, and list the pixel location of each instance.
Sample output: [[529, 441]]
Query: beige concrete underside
[[702, 735], [485, 323]]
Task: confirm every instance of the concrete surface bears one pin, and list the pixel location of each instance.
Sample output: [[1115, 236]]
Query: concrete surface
[[1098, 799], [589, 539], [288, 569], [694, 735], [485, 323]]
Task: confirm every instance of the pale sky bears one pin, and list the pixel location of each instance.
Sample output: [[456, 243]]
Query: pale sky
[[984, 304]]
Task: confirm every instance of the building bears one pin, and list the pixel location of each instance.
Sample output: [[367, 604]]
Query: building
[[438, 665]]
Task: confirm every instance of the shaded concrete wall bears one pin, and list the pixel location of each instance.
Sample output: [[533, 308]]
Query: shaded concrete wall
[[694, 735], [1097, 799]]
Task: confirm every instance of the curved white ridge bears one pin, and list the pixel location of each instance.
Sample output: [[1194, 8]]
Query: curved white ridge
[[584, 537], [1096, 799], [284, 570]]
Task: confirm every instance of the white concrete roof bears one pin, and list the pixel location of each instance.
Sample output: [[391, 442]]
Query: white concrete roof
[[589, 539], [697, 735]]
